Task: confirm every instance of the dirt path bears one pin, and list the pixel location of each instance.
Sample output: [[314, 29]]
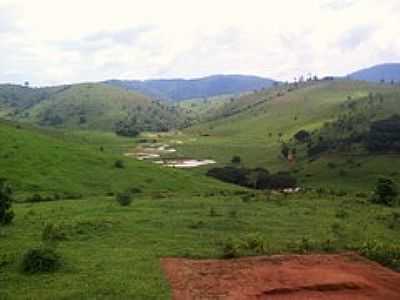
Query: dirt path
[[300, 277]]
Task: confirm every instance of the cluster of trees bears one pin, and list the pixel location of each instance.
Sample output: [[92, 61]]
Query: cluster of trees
[[6, 213], [384, 135], [257, 178]]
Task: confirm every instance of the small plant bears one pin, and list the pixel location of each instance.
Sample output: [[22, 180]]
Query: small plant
[[53, 233], [231, 249], [119, 164], [124, 199], [236, 159], [388, 255], [6, 213], [41, 260], [256, 244], [385, 191]]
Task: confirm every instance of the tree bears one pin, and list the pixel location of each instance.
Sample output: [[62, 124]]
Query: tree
[[302, 136], [236, 159], [385, 191], [6, 213]]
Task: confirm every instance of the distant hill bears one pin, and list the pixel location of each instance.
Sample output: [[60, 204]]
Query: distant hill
[[386, 72], [85, 106], [336, 113], [181, 89]]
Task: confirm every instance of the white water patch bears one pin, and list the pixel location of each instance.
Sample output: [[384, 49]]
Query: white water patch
[[143, 156], [188, 163]]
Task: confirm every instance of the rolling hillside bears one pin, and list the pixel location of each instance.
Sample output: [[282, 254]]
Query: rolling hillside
[[71, 164], [180, 89], [256, 126], [85, 106], [386, 72]]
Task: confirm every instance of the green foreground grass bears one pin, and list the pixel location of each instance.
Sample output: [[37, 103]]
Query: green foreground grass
[[113, 252]]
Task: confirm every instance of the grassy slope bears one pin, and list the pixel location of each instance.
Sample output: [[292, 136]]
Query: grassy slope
[[85, 106], [49, 162], [113, 252], [254, 132]]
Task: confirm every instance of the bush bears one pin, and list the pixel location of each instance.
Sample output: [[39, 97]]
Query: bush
[[40, 260], [6, 213], [124, 199], [236, 159], [52, 233], [231, 249], [388, 255], [385, 191], [302, 136], [119, 164], [258, 178]]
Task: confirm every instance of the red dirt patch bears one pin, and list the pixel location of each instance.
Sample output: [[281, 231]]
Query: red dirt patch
[[300, 277]]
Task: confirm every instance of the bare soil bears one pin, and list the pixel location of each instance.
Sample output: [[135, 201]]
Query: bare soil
[[300, 277]]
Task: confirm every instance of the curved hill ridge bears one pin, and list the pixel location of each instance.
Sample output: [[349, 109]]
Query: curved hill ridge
[[386, 72], [85, 106], [183, 89]]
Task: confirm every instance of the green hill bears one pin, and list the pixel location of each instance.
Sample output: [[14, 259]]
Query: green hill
[[52, 162], [85, 106], [256, 125]]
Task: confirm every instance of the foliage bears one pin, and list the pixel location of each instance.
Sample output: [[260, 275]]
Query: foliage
[[384, 135], [41, 260], [302, 136], [124, 199], [257, 178], [386, 254], [385, 192], [119, 164], [236, 159], [6, 213]]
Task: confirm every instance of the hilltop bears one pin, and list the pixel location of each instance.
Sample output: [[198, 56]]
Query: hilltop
[[182, 89], [257, 126], [89, 106], [384, 72]]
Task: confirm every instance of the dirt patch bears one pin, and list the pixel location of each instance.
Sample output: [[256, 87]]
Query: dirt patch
[[300, 277]]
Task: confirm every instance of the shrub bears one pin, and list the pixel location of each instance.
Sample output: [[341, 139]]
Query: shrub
[[6, 213], [124, 199], [258, 178], [302, 136], [388, 255], [231, 249], [119, 164], [53, 232], [236, 159], [40, 260], [385, 191]]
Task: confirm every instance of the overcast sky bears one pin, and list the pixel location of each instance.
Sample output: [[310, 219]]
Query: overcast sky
[[63, 41]]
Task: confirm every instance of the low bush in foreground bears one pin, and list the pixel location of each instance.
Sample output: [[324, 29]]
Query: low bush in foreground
[[41, 260]]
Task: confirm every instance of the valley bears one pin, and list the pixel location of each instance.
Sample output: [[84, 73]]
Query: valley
[[116, 206]]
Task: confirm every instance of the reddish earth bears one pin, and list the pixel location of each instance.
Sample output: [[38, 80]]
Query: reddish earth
[[300, 277]]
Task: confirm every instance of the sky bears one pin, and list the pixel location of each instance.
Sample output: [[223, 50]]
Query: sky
[[49, 42]]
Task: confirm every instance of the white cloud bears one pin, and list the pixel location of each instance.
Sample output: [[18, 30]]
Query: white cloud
[[51, 42]]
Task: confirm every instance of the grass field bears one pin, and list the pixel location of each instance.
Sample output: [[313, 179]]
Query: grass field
[[113, 252], [265, 120], [82, 163]]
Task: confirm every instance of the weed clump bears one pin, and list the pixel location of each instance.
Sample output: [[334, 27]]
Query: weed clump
[[43, 259], [385, 192], [119, 164], [124, 199]]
